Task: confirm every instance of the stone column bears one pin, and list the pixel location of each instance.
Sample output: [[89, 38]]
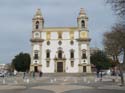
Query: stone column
[[40, 60], [80, 59], [88, 59], [31, 66]]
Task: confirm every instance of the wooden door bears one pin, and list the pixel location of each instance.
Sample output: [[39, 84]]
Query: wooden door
[[59, 66]]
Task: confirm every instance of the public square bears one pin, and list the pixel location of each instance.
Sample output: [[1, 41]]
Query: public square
[[62, 46], [61, 84]]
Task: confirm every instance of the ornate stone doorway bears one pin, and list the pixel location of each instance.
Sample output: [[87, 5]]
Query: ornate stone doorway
[[84, 68], [59, 66], [35, 69]]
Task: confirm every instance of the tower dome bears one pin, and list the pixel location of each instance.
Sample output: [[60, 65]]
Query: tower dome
[[82, 13], [38, 14]]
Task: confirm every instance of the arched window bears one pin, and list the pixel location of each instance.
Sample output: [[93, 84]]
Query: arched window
[[84, 54], [37, 24], [83, 24]]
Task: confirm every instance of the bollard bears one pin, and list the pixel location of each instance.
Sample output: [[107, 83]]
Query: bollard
[[55, 79], [51, 81], [64, 79], [4, 81], [96, 80], [24, 80], [88, 82], [84, 79], [15, 82], [27, 81]]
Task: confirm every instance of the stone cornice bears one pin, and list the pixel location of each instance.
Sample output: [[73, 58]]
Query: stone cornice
[[57, 29], [36, 64], [84, 64], [36, 40], [84, 39]]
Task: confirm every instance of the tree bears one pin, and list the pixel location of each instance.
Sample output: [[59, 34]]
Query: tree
[[21, 62], [100, 60], [118, 6], [114, 42], [115, 46]]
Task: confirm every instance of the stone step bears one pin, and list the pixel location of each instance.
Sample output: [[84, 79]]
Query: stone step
[[65, 74]]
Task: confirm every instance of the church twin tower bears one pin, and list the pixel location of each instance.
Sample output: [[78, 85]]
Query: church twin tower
[[60, 49]]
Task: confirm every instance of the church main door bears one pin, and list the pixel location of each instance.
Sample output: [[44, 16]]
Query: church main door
[[84, 68], [59, 66], [35, 69]]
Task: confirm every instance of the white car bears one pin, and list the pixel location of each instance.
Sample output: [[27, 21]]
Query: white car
[[2, 74], [106, 72]]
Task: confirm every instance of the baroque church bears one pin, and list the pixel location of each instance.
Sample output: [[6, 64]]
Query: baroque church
[[60, 49]]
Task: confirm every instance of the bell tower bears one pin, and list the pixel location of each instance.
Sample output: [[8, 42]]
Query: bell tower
[[36, 41], [38, 21], [82, 23], [83, 41]]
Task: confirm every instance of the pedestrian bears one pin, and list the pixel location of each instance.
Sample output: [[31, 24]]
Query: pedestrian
[[40, 74], [97, 73], [24, 75]]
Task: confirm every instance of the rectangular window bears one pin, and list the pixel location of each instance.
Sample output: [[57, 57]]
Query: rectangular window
[[47, 63], [48, 55], [36, 56], [60, 54], [84, 56], [84, 68], [72, 54], [72, 63]]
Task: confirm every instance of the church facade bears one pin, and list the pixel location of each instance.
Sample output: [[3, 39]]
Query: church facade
[[60, 49]]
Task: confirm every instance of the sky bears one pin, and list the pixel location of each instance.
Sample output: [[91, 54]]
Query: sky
[[16, 21]]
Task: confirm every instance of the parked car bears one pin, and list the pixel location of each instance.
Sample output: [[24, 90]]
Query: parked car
[[106, 72], [2, 74]]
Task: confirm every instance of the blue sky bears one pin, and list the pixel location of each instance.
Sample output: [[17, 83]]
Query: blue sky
[[16, 21]]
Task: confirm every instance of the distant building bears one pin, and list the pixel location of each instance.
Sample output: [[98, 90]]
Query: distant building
[[60, 49], [93, 50], [2, 67]]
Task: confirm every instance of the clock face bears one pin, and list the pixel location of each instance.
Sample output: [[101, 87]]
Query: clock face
[[36, 34]]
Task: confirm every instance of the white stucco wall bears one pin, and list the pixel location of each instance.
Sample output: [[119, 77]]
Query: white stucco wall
[[66, 47]]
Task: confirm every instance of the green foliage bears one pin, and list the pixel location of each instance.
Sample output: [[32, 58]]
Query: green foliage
[[100, 60], [21, 62]]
